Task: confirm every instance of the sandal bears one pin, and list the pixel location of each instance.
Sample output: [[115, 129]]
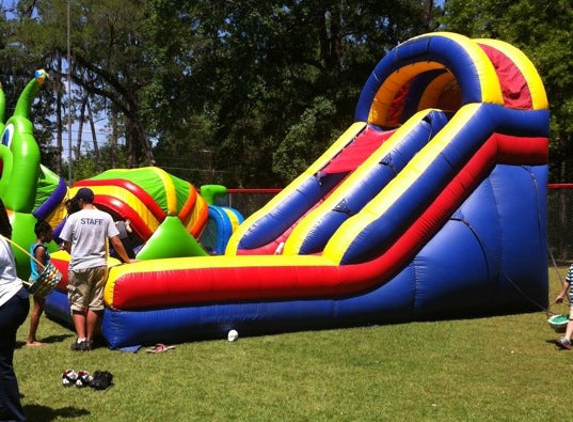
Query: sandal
[[159, 348]]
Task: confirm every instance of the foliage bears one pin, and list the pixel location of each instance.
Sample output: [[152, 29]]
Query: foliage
[[228, 94], [542, 30], [254, 68], [294, 153], [107, 59], [182, 151], [233, 80], [88, 165], [18, 61]]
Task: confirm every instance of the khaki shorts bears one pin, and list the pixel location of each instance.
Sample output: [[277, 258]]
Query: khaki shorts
[[85, 288]]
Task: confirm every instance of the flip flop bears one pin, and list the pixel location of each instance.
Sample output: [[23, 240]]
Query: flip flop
[[159, 348]]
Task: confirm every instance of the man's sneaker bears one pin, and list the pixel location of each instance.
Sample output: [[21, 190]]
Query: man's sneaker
[[84, 379], [564, 343], [76, 346], [69, 378], [84, 346]]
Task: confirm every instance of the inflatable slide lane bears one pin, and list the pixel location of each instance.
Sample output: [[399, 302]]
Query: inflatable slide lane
[[431, 205]]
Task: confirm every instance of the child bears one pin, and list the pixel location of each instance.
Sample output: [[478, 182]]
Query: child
[[125, 233], [72, 206], [565, 341], [38, 250]]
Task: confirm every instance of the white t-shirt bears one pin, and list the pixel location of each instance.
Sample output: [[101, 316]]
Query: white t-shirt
[[10, 284], [87, 231]]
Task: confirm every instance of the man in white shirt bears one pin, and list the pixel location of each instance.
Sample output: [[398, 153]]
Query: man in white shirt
[[84, 236]]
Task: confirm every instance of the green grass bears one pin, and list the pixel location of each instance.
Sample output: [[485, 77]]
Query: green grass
[[489, 369]]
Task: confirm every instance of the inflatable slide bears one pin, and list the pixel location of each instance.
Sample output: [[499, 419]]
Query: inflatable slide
[[431, 205]]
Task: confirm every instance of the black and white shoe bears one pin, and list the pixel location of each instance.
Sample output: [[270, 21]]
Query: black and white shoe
[[69, 378], [84, 379]]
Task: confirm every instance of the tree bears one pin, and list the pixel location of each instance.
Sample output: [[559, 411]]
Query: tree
[[108, 59], [256, 68], [243, 89], [89, 165], [17, 66], [543, 31]]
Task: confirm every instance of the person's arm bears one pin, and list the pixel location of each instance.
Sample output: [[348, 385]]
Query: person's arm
[[67, 246], [119, 249], [66, 235], [561, 296], [566, 285]]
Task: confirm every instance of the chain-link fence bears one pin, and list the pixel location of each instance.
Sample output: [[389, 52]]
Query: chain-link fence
[[247, 201], [559, 225]]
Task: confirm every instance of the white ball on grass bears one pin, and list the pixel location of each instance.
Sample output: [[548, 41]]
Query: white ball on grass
[[232, 335]]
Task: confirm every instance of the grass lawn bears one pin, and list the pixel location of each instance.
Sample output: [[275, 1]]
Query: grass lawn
[[489, 369]]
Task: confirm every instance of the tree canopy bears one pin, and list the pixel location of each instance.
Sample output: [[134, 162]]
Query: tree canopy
[[245, 94], [544, 32]]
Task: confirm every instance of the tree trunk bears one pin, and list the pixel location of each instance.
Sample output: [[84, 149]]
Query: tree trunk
[[94, 135], [81, 125], [138, 147], [428, 6], [114, 139]]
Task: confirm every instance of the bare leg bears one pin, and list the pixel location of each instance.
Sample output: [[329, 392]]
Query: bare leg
[[569, 330], [565, 342], [79, 319], [34, 321], [93, 323]]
